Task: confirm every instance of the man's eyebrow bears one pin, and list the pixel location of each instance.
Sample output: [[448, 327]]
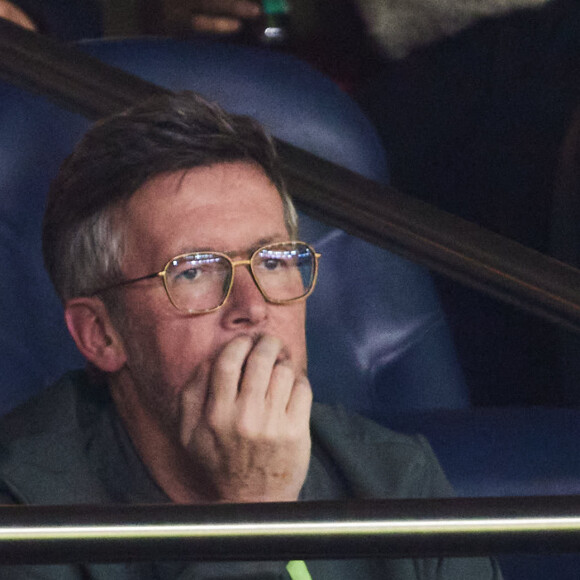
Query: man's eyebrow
[[249, 251], [231, 253]]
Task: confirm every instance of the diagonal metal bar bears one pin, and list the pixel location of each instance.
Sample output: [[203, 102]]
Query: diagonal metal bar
[[72, 79], [377, 213], [443, 242]]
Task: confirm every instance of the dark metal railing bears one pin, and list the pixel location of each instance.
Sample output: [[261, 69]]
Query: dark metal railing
[[377, 213], [329, 530]]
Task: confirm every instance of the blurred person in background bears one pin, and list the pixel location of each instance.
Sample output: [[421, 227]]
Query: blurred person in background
[[66, 20]]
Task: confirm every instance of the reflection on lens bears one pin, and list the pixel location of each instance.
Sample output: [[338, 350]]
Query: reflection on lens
[[198, 282], [284, 271]]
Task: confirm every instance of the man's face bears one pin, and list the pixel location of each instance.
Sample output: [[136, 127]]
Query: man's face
[[232, 208]]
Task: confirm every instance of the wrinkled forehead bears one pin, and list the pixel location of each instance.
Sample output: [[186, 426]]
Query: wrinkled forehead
[[223, 207]]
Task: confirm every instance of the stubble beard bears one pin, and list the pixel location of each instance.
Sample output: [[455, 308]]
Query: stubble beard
[[148, 388]]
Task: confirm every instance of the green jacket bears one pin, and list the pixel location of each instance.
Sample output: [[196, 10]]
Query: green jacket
[[68, 446]]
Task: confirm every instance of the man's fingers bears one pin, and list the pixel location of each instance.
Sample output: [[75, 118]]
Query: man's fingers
[[254, 385], [253, 434], [215, 24], [9, 11], [222, 16], [233, 8], [300, 402], [259, 366], [280, 388], [227, 369], [192, 405]]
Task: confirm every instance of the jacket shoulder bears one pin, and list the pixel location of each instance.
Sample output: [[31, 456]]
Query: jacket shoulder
[[44, 442], [376, 461]]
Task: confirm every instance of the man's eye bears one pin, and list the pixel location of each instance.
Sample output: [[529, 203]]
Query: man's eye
[[273, 264], [187, 274]]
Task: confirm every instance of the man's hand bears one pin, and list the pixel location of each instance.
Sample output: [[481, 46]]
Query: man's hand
[[213, 16], [252, 442], [10, 12], [222, 16]]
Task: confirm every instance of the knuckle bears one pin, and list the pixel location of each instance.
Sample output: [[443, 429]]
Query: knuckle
[[228, 366], [215, 419], [283, 372], [247, 429], [296, 431], [268, 346], [303, 388]]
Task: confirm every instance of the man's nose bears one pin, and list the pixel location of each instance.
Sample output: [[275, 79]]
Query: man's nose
[[245, 304]]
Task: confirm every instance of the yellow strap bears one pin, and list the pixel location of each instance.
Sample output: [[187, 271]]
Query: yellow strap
[[298, 570]]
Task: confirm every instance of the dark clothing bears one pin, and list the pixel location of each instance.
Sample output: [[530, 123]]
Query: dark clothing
[[69, 446], [474, 124]]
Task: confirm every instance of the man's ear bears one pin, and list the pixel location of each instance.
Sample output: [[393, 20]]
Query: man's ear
[[92, 329]]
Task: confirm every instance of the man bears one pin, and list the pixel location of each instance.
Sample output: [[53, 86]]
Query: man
[[171, 240]]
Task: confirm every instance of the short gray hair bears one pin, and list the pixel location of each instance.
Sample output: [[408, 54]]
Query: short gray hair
[[82, 236]]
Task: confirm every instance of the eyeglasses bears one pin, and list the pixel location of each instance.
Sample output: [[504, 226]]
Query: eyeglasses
[[201, 282]]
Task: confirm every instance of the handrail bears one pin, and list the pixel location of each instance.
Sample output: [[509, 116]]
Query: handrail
[[376, 213], [444, 243], [281, 531]]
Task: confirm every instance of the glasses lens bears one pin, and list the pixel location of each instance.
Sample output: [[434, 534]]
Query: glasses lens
[[198, 282], [285, 271]]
